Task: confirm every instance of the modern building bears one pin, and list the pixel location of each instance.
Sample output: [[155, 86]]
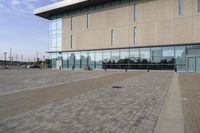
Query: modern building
[[119, 34]]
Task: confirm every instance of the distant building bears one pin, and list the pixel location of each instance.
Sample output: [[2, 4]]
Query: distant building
[[119, 34]]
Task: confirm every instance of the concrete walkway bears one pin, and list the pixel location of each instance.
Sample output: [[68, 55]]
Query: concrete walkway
[[171, 117], [190, 91]]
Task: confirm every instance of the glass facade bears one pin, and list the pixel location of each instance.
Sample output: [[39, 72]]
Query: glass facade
[[55, 34], [156, 58]]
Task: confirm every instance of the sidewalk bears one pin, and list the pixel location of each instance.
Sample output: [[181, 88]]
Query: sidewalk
[[171, 116]]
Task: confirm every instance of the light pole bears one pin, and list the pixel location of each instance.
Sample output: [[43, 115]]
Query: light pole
[[5, 60]]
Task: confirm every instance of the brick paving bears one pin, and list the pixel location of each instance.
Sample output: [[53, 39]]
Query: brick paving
[[134, 108], [24, 101], [12, 81], [190, 90]]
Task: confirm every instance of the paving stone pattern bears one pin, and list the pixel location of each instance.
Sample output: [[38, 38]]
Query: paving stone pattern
[[20, 80], [134, 108]]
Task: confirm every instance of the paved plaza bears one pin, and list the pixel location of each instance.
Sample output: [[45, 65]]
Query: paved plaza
[[96, 102]]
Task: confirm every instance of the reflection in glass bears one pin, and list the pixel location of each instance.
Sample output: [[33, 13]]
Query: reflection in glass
[[193, 50], [106, 58], [91, 60], [98, 59], [156, 57], [180, 55], [84, 59], [168, 55], [134, 56], [124, 58], [65, 60], [168, 58], [134, 59], [77, 59], [71, 59], [55, 34], [144, 55], [54, 57]]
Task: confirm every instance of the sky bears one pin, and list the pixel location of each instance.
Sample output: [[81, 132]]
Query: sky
[[22, 31]]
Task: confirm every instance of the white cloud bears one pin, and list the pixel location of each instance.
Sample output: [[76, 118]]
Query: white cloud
[[15, 2], [1, 5]]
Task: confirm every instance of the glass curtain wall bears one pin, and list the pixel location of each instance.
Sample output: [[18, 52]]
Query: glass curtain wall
[[106, 59], [144, 58], [91, 59], [124, 58], [180, 56], [77, 56], [157, 58], [115, 58], [65, 60], [168, 60], [55, 35], [54, 57], [98, 59], [84, 59], [71, 59], [134, 59]]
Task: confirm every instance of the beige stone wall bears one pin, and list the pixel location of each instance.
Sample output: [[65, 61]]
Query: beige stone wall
[[157, 22]]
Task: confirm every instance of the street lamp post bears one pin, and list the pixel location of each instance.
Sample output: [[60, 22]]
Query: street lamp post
[[5, 60]]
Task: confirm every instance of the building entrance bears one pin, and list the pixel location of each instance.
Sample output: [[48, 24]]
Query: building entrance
[[193, 63]]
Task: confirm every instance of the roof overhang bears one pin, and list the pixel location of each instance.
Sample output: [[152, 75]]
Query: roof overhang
[[64, 6]]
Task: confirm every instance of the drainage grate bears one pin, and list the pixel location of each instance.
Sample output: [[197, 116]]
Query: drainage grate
[[116, 87]]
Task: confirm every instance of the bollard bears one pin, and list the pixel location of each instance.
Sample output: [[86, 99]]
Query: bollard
[[126, 69], [175, 69], [147, 68]]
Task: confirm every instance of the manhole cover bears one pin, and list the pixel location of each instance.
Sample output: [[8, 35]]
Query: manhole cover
[[116, 87]]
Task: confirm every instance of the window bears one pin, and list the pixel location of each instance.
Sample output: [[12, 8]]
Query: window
[[144, 55], [180, 56], [134, 56], [112, 37], [198, 5], [180, 7], [71, 24], [71, 41], [156, 55], [134, 10], [98, 59], [55, 31], [135, 35], [87, 23], [91, 59]]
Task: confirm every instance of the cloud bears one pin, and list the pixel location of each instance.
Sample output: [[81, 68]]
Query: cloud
[[1, 5], [15, 2]]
